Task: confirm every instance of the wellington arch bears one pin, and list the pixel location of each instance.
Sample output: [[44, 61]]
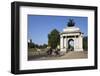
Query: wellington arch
[[71, 39]]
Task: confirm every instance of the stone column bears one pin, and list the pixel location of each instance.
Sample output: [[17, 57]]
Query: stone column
[[62, 45], [65, 42], [80, 43], [61, 42], [76, 44]]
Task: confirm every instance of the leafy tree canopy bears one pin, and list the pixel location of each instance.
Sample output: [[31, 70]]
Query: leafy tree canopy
[[54, 38]]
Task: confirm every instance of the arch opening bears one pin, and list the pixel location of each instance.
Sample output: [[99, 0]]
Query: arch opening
[[71, 45]]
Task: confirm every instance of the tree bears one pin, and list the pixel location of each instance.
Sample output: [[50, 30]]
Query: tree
[[85, 43], [31, 45], [54, 38], [44, 45]]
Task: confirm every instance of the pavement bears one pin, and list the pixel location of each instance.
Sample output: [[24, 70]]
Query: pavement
[[69, 55]]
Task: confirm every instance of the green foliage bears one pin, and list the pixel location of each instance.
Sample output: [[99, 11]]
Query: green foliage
[[42, 46], [33, 45], [54, 38], [85, 43]]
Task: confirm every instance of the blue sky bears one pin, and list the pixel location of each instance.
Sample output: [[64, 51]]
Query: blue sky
[[39, 26]]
